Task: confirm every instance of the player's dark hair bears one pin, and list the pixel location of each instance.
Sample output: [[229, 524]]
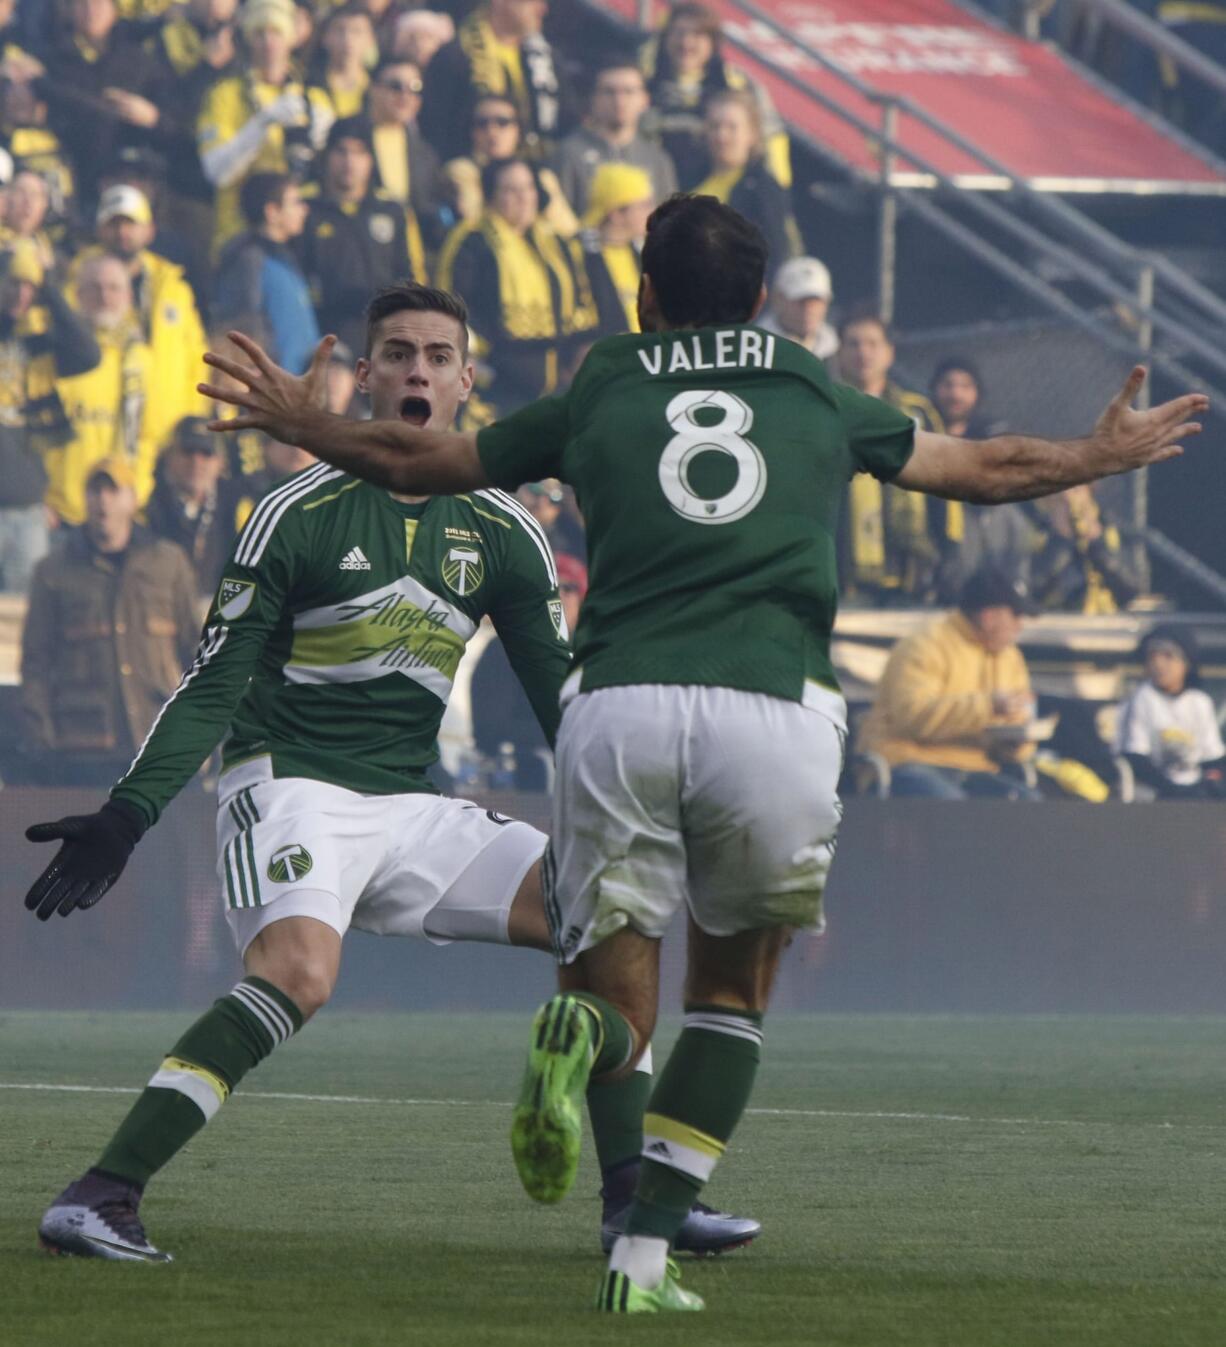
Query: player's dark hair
[[414, 298], [706, 261], [259, 191], [865, 313]]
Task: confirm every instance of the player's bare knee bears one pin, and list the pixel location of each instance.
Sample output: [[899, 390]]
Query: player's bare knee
[[308, 985]]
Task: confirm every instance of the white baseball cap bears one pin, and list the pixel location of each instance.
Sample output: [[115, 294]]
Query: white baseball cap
[[804, 278], [124, 199]]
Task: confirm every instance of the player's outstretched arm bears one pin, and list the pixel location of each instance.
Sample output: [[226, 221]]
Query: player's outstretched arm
[[291, 409], [1019, 467]]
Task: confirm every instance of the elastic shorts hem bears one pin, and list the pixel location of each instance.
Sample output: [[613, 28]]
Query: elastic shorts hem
[[246, 923]]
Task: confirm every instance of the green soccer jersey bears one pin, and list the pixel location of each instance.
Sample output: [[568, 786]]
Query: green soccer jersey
[[336, 631], [710, 467]]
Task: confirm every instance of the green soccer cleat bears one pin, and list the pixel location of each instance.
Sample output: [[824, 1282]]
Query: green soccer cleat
[[617, 1294], [547, 1128]]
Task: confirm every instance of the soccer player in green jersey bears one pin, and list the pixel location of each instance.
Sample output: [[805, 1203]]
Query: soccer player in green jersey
[[703, 729], [328, 655]]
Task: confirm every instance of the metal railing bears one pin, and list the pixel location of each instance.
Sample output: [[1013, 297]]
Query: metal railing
[[1141, 268], [1159, 40], [1136, 282]]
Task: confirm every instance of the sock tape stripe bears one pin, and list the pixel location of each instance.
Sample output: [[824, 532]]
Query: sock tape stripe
[[624, 1298], [207, 1091], [274, 1009]]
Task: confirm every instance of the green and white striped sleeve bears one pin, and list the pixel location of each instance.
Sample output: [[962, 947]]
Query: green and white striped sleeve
[[246, 611], [528, 616]]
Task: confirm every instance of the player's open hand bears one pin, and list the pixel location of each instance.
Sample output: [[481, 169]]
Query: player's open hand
[[267, 397], [1126, 438], [95, 850]]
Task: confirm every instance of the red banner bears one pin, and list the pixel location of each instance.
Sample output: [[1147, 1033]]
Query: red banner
[[1018, 101]]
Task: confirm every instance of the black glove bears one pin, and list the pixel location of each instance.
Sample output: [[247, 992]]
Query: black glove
[[96, 848]]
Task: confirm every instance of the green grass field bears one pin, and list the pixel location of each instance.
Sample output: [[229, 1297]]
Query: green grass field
[[928, 1182]]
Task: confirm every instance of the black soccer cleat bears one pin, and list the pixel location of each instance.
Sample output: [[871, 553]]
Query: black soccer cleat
[[98, 1217], [705, 1231]]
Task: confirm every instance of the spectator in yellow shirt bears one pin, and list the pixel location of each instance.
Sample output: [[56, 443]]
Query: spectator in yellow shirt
[[163, 301], [108, 406], [347, 44], [952, 707], [261, 120]]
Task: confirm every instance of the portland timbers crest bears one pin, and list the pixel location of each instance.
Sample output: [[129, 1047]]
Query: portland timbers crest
[[463, 569], [289, 863], [234, 598]]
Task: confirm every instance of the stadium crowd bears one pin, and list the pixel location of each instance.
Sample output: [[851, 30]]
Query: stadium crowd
[[169, 171]]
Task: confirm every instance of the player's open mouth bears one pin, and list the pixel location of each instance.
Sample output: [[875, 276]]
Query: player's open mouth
[[416, 411]]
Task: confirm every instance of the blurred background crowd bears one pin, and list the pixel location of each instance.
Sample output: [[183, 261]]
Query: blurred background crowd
[[169, 171]]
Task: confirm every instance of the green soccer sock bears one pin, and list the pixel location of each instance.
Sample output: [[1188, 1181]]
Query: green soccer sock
[[697, 1102], [614, 1040], [616, 1109], [193, 1082]]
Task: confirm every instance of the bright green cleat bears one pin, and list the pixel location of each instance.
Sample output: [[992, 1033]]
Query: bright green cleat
[[617, 1294], [547, 1128]]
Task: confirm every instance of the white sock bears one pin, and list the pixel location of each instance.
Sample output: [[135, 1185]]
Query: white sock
[[642, 1258]]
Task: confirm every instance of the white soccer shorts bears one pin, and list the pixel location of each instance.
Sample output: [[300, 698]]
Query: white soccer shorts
[[722, 799], [416, 865]]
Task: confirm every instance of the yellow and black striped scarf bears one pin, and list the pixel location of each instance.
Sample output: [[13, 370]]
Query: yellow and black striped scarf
[[28, 395]]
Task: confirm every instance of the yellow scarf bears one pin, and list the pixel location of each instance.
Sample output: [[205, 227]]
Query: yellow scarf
[[392, 156], [623, 264], [720, 185], [496, 67], [525, 264]]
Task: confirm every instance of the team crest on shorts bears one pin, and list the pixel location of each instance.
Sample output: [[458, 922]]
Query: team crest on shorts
[[234, 598], [463, 569], [289, 863]]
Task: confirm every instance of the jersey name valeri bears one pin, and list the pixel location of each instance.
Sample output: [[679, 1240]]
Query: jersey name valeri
[[734, 348], [710, 466], [337, 628]]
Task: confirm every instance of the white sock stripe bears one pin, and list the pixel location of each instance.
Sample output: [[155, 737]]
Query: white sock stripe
[[272, 1007], [272, 1010], [530, 527], [251, 548], [269, 503], [210, 643], [188, 1084], [275, 1031], [732, 1025]]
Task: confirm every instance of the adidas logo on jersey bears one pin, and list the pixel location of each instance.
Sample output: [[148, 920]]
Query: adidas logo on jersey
[[354, 560]]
